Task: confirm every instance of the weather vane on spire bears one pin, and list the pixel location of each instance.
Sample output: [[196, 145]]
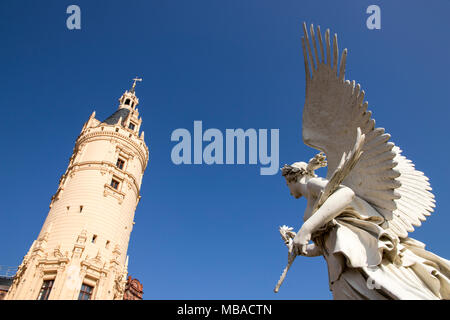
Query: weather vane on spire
[[134, 83]]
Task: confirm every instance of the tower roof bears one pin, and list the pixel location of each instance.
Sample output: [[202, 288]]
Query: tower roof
[[127, 104], [120, 113]]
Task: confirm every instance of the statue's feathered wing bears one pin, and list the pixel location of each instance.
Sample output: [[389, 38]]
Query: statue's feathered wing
[[334, 109]]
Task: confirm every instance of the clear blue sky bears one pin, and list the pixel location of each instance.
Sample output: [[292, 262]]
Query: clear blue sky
[[210, 232]]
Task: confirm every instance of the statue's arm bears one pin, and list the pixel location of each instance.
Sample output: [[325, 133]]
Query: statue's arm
[[330, 209]]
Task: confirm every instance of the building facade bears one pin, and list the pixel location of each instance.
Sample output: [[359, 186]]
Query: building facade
[[133, 289], [5, 284], [81, 251]]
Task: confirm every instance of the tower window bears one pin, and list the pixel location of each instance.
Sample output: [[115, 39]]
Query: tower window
[[115, 184], [107, 244], [85, 292], [127, 102], [81, 209], [46, 288], [131, 126], [120, 164], [94, 238]]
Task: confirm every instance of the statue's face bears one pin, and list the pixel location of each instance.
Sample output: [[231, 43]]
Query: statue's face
[[295, 188]]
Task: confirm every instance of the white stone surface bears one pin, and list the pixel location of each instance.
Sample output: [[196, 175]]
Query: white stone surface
[[358, 217]]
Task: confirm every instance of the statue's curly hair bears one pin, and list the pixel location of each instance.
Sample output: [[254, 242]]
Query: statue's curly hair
[[300, 169]]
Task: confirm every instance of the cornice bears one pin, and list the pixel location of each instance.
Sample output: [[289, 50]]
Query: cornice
[[100, 166], [144, 154]]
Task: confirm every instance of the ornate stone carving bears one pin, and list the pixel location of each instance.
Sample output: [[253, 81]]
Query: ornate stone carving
[[57, 252], [119, 286]]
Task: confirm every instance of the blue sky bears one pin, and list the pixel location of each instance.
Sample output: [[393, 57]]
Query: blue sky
[[210, 232]]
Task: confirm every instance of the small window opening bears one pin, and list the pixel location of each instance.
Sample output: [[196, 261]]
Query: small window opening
[[131, 126], [114, 183], [127, 102], [85, 292], [107, 244], [94, 238], [46, 288], [120, 164], [81, 209]]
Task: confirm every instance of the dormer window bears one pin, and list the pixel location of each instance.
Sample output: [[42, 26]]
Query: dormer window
[[127, 102], [131, 126]]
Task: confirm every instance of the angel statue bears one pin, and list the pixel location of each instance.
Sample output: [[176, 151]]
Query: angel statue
[[359, 217]]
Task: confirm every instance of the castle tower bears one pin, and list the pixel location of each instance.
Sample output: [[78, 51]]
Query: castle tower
[[81, 251]]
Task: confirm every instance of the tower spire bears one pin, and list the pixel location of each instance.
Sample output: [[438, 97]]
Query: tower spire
[[134, 83]]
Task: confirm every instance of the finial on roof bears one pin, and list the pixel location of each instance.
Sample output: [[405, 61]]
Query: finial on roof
[[134, 84]]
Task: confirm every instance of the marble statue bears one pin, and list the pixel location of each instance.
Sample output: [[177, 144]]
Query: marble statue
[[359, 217]]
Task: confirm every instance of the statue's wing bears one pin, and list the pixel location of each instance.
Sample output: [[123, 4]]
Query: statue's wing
[[346, 165], [334, 109], [416, 202]]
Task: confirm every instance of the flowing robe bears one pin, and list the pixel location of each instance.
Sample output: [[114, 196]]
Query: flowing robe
[[366, 261]]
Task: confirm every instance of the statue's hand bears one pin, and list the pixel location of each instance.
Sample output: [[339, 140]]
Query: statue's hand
[[300, 242]]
